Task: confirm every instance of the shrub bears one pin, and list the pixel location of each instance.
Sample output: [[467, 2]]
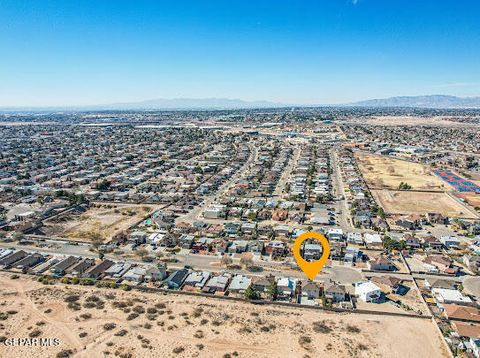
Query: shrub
[[86, 316], [66, 353], [178, 350], [132, 316], [109, 326], [321, 327], [35, 333], [353, 329], [72, 298], [121, 333], [138, 309]]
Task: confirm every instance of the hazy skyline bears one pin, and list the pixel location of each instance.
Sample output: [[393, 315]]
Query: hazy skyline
[[58, 53]]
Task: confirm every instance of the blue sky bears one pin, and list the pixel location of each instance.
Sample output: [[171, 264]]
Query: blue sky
[[311, 52]]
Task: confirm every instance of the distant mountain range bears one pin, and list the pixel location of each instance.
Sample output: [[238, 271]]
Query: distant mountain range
[[432, 101], [194, 103]]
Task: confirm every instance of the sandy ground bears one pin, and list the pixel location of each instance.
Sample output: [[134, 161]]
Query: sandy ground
[[385, 172], [105, 221], [470, 198], [414, 202], [183, 326]]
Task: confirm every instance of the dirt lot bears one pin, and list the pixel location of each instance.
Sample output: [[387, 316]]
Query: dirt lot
[[412, 202], [103, 220], [471, 198], [385, 172], [91, 322]]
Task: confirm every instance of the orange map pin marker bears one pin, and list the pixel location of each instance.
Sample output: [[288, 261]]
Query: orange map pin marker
[[311, 269]]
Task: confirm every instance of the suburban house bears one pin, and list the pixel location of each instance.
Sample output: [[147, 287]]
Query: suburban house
[[286, 288], [217, 283], [239, 284], [197, 279], [432, 243], [372, 240], [445, 295], [97, 271], [461, 313], [176, 279], [450, 242], [335, 292], [388, 284], [441, 262], [311, 290], [312, 252], [368, 291], [262, 284], [381, 263]]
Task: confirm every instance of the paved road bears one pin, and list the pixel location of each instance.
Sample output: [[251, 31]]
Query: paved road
[[345, 275], [338, 186], [287, 172]]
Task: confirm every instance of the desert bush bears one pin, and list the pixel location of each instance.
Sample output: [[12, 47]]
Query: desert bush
[[353, 329], [66, 353], [109, 326], [152, 310], [35, 333], [321, 327], [197, 312], [121, 333], [178, 350], [132, 316], [71, 298], [138, 309]]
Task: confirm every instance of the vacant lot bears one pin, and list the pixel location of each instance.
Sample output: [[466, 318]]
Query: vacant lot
[[414, 202], [93, 322], [470, 198], [385, 172], [100, 220]]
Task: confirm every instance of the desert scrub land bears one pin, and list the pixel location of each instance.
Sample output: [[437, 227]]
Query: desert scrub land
[[93, 322], [98, 221], [417, 202], [383, 172]]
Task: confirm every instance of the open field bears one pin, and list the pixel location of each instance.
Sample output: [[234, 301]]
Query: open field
[[100, 220], [414, 202], [470, 198], [385, 172], [91, 322]]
